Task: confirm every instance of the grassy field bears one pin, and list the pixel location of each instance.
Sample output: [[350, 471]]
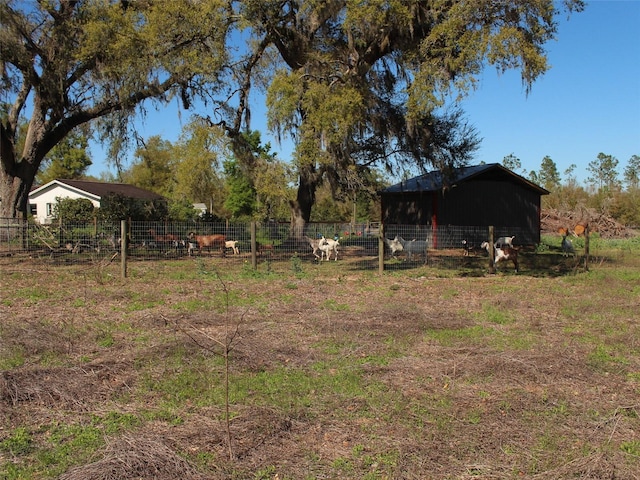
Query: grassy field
[[201, 369]]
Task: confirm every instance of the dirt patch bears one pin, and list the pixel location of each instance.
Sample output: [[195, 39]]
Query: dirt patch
[[410, 376]]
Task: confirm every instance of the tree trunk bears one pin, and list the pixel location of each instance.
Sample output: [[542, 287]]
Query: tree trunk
[[14, 190], [301, 206]]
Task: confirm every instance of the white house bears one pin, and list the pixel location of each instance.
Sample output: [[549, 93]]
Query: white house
[[43, 199], [201, 208]]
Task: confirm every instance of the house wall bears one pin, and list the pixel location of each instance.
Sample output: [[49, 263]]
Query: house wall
[[475, 203], [45, 201]]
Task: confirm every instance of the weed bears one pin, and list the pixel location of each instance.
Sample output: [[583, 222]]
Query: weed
[[335, 306], [13, 357], [105, 339], [266, 473], [493, 314], [296, 265], [116, 422], [631, 447], [602, 358], [17, 443], [450, 337], [67, 445]]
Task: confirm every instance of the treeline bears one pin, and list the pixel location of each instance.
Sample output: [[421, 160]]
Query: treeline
[[605, 190], [200, 168]]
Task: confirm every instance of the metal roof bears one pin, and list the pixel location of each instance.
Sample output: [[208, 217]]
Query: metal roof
[[435, 180], [101, 189]]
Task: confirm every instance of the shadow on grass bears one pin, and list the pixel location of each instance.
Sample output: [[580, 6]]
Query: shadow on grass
[[533, 264]]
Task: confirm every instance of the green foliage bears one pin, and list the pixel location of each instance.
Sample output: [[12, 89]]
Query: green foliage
[[74, 210], [197, 174], [153, 169], [512, 162], [625, 207], [116, 207], [181, 210], [603, 173], [549, 177], [241, 200], [69, 159], [632, 173]]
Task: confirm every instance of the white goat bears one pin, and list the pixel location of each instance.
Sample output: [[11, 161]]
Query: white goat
[[394, 245], [324, 246], [233, 245], [327, 245], [418, 247], [504, 253], [315, 245]]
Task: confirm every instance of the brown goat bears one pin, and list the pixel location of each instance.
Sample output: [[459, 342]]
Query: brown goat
[[168, 238], [208, 241]]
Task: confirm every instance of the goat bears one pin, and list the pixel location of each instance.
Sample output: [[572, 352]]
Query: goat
[[233, 245], [567, 247], [192, 246], [315, 245], [208, 241], [262, 248], [466, 248], [324, 246], [504, 253], [504, 241], [394, 245], [166, 239], [418, 247], [327, 245]]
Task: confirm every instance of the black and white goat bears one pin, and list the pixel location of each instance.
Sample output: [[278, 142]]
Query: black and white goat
[[466, 248], [504, 242], [505, 253]]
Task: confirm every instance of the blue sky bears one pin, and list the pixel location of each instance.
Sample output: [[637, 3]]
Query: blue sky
[[587, 103]]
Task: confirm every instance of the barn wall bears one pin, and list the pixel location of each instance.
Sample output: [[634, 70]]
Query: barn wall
[[407, 208], [473, 203]]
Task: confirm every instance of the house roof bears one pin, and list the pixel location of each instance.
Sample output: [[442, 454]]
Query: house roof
[[434, 181], [100, 189]]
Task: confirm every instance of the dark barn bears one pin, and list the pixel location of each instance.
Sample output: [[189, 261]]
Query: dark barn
[[475, 196]]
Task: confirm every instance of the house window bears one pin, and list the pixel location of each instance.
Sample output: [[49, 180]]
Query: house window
[[49, 209], [33, 209]]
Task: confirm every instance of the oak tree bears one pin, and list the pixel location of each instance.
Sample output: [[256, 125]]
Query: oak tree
[[68, 63], [359, 84]]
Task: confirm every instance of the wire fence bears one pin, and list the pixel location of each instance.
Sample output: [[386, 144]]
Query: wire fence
[[367, 246]]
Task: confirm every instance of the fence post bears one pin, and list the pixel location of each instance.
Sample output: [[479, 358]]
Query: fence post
[[381, 248], [254, 245], [586, 248], [492, 253], [123, 248]]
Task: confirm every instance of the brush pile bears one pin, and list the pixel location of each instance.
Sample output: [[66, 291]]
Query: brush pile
[[136, 457], [553, 220]]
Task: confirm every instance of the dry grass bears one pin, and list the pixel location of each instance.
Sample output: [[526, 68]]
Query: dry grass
[[333, 374]]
